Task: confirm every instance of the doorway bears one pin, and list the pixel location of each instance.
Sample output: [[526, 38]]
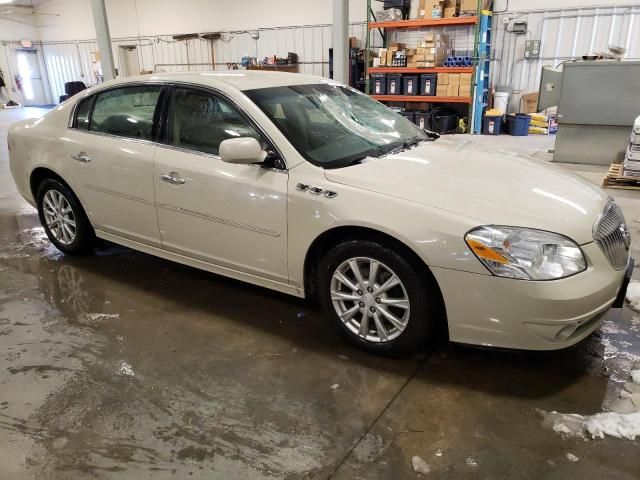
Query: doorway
[[31, 82], [129, 65]]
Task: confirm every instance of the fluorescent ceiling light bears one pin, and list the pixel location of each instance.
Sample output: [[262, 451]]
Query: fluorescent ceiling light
[[3, 2]]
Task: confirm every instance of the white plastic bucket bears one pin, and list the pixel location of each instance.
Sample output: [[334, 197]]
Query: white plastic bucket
[[500, 101]]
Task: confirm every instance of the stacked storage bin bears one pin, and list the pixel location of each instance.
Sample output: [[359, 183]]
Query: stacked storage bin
[[632, 157], [394, 84], [378, 83], [410, 85], [518, 124], [428, 82]]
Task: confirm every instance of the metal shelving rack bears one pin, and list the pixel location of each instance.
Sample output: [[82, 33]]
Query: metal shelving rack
[[482, 55], [481, 50]]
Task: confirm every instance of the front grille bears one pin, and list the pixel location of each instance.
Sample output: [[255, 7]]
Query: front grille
[[612, 236]]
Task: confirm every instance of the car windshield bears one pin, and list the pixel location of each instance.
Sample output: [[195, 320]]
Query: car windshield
[[333, 126]]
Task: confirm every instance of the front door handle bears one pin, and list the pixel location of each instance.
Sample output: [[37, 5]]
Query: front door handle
[[81, 157], [173, 178]]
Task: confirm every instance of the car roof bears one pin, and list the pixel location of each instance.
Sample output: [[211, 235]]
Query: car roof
[[240, 79]]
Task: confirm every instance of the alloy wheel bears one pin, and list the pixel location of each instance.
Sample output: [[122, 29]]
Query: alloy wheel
[[370, 299], [59, 217]]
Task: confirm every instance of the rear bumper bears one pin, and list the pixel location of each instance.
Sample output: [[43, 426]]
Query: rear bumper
[[492, 311]]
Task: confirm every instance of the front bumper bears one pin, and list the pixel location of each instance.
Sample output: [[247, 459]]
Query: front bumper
[[543, 315]]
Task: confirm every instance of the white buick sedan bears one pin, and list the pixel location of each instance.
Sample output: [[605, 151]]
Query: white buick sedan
[[305, 186]]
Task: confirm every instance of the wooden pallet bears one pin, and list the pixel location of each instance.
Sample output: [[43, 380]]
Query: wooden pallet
[[614, 179]]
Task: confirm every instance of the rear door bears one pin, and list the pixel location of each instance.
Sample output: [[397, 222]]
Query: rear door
[[110, 149]]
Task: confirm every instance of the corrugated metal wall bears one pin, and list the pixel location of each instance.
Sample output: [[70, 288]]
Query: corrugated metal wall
[[69, 61], [565, 34]]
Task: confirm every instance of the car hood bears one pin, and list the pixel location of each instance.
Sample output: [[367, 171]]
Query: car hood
[[493, 186]]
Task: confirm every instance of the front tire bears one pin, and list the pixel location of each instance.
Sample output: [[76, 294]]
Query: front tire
[[63, 218], [376, 298]]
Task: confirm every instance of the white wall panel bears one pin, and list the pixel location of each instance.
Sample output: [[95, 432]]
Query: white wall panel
[[565, 34], [71, 60]]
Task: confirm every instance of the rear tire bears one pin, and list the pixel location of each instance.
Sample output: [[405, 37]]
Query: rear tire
[[63, 218], [399, 319]]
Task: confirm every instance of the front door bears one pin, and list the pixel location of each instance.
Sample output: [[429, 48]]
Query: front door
[[231, 215], [110, 156], [31, 78], [129, 63]]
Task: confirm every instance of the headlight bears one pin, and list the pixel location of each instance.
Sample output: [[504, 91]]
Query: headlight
[[527, 254]]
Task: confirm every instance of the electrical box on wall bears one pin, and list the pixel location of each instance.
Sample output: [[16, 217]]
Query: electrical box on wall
[[519, 28], [532, 49]]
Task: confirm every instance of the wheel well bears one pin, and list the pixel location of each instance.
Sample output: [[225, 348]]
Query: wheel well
[[333, 237], [40, 174]]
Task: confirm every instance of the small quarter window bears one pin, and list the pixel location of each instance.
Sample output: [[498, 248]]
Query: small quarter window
[[125, 112], [82, 114]]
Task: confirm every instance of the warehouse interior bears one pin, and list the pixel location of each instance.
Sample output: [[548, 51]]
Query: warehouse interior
[[124, 365]]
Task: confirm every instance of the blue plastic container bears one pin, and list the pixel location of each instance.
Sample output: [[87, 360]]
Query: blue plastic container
[[409, 115], [421, 119], [492, 124], [518, 124], [410, 85], [428, 84], [379, 83], [394, 84]]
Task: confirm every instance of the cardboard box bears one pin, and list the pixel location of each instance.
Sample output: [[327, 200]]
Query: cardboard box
[[454, 79], [449, 12], [468, 5], [441, 90], [465, 79], [453, 90], [464, 90], [443, 79], [390, 53], [422, 8], [383, 57], [426, 64], [529, 103]]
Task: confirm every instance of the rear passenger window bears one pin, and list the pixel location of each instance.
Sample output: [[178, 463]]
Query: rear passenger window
[[126, 112], [201, 122], [82, 114]]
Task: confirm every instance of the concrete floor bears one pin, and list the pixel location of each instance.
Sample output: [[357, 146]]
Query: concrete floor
[[121, 365]]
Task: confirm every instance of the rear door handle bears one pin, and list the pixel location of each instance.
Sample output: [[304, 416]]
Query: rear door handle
[[81, 157], [173, 178]]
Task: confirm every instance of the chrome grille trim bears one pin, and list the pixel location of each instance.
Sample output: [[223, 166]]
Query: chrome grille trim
[[612, 236]]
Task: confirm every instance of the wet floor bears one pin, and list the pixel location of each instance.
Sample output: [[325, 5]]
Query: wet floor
[[121, 365]]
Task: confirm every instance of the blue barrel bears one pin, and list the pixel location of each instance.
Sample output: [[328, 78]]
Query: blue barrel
[[518, 124]]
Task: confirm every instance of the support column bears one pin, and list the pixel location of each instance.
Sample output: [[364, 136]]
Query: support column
[[341, 41], [104, 39]]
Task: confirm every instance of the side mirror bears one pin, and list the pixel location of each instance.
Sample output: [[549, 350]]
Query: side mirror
[[244, 151]]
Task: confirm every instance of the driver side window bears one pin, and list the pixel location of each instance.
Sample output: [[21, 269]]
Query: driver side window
[[200, 122]]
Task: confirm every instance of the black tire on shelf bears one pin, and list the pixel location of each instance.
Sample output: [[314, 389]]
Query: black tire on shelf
[[85, 237]]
